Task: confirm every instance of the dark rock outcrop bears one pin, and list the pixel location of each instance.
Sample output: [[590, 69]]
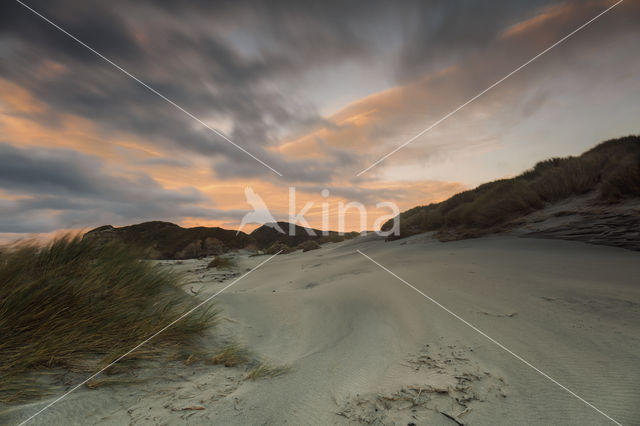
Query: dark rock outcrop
[[165, 240]]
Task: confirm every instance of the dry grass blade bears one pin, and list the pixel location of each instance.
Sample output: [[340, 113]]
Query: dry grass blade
[[264, 370], [231, 356]]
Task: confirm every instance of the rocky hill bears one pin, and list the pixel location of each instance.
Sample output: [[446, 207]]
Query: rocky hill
[[165, 240], [269, 234]]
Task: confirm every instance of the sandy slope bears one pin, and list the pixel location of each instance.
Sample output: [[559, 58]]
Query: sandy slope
[[363, 347]]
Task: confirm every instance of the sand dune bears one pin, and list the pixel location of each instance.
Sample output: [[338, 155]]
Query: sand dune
[[361, 346]]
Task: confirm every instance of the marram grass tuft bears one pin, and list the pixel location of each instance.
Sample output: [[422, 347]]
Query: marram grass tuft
[[78, 305]]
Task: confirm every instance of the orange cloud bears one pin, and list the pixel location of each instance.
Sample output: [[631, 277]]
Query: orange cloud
[[554, 16], [542, 18], [386, 115], [16, 100]]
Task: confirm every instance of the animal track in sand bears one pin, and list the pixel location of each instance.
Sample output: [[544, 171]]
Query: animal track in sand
[[193, 398], [439, 382]]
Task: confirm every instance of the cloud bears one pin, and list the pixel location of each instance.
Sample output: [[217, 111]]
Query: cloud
[[444, 33], [544, 17], [205, 58], [97, 147], [379, 123], [246, 66], [404, 193], [198, 61], [165, 161]]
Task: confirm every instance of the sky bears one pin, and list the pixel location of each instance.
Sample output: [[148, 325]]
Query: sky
[[316, 91]]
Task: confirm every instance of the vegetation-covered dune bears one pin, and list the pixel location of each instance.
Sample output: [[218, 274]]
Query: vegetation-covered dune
[[606, 177]]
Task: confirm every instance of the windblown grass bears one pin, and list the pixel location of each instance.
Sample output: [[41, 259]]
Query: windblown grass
[[611, 170], [235, 355], [230, 356], [264, 370], [78, 305]]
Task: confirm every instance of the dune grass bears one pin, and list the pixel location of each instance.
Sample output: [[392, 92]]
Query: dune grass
[[230, 356], [78, 305], [235, 355], [611, 170], [265, 370]]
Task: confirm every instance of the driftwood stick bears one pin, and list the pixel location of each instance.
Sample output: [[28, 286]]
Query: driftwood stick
[[451, 417]]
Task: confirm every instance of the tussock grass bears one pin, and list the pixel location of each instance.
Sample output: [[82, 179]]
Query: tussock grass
[[235, 355], [611, 170], [264, 370], [230, 356], [222, 262], [79, 304]]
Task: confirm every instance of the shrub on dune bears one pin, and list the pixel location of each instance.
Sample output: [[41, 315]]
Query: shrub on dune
[[80, 304], [278, 247], [221, 262], [309, 245]]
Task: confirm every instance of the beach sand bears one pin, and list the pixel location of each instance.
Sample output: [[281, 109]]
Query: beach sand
[[361, 346]]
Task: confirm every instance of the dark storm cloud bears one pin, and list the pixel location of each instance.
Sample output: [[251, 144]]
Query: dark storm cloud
[[229, 59], [466, 31], [446, 31], [186, 61], [61, 188], [235, 60]]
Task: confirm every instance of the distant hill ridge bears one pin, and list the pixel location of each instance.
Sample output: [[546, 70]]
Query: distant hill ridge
[[166, 240], [594, 197], [267, 235]]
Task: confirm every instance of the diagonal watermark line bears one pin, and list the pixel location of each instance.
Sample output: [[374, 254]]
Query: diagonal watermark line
[[490, 87], [184, 315], [151, 89], [527, 363]]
